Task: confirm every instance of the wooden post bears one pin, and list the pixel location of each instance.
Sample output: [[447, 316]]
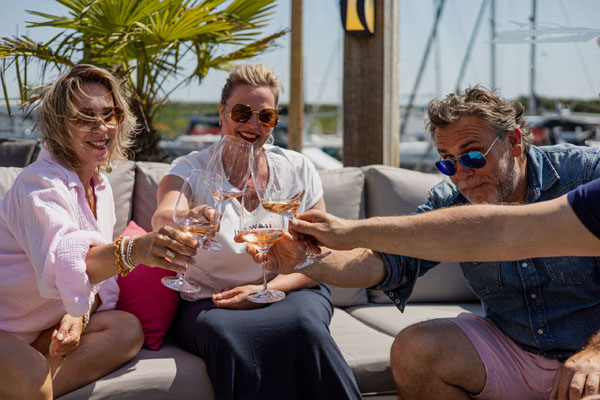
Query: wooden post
[[296, 106], [370, 92]]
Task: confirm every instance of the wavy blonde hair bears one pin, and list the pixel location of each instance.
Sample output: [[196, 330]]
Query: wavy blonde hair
[[59, 107], [254, 75], [501, 115]]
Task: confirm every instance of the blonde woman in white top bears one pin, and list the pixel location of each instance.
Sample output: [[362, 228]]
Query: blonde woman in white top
[[280, 350]]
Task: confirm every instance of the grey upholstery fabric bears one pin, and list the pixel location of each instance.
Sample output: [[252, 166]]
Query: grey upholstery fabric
[[18, 153], [366, 350], [443, 284], [147, 178], [389, 320], [122, 180], [343, 194], [170, 373], [397, 191]]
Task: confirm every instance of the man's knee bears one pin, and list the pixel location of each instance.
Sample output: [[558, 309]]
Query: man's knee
[[417, 343]]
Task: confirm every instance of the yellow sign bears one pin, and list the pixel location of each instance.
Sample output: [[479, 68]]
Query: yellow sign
[[358, 16]]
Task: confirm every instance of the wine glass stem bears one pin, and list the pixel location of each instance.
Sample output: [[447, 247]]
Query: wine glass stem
[[264, 276]]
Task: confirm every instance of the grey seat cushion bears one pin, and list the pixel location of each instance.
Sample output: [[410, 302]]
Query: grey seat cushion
[[170, 373], [366, 350], [388, 319]]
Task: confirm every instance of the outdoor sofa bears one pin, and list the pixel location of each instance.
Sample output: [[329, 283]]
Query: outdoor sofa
[[365, 322]]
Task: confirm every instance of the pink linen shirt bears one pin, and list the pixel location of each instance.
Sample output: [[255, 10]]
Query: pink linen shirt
[[46, 231]]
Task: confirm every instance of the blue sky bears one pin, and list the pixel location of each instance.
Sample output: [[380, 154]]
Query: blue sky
[[563, 69]]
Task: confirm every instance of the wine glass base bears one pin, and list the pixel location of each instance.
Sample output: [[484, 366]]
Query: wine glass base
[[180, 284], [311, 259], [266, 296]]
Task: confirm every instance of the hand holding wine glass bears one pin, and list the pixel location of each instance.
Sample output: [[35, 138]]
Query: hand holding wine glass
[[261, 229], [198, 213], [280, 189]]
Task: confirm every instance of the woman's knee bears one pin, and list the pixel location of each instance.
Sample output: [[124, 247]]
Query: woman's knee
[[25, 375], [123, 327]]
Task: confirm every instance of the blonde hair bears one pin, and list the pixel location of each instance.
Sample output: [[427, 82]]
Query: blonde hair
[[59, 107], [254, 75], [501, 115]]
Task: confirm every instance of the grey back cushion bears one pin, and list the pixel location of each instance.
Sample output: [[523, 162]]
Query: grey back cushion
[[147, 178], [18, 153], [122, 180], [397, 191], [344, 197]]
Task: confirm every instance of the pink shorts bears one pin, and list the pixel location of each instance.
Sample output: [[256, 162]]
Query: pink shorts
[[512, 373]]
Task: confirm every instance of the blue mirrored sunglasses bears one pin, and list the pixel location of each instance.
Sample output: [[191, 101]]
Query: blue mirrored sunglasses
[[473, 159]]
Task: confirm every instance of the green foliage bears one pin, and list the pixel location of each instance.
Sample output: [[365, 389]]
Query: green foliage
[[144, 42]]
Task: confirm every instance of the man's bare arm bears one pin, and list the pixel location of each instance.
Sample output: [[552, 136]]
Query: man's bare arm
[[465, 233]]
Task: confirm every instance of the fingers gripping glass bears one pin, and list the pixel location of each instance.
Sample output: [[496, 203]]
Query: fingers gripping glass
[[198, 213], [241, 113], [86, 120], [473, 159], [262, 229]]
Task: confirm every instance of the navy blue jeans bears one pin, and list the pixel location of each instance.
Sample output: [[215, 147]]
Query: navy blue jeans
[[281, 351]]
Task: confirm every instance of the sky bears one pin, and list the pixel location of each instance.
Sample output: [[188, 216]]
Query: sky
[[562, 69]]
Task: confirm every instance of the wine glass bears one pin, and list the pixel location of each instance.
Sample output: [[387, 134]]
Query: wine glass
[[198, 213], [261, 229], [231, 160], [280, 189]]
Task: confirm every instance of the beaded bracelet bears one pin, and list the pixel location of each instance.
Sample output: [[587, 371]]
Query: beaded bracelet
[[119, 254], [128, 258]]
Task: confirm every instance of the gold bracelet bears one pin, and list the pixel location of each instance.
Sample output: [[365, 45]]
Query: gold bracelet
[[86, 320], [123, 271]]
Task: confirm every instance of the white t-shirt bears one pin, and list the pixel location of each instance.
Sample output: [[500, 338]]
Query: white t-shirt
[[232, 266]]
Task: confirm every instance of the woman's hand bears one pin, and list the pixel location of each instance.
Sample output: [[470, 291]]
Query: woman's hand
[[166, 247], [65, 339], [236, 298]]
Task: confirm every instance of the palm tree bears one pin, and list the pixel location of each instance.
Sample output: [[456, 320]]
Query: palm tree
[[144, 42]]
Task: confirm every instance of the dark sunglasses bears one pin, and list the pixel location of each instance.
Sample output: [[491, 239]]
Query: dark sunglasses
[[87, 120], [241, 113], [473, 159]]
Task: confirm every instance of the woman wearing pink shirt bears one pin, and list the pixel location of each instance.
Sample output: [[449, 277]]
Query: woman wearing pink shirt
[[58, 329]]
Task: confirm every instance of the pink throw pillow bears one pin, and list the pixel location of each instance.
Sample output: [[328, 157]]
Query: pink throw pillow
[[143, 295]]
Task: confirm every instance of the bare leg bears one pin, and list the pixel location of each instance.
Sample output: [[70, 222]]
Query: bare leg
[[111, 339], [24, 373], [435, 359]]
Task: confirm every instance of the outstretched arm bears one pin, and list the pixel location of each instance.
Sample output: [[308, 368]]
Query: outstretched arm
[[544, 229]]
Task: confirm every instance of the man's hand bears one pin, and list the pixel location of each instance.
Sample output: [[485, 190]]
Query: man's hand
[[236, 298], [65, 339], [283, 256], [326, 229], [577, 377]]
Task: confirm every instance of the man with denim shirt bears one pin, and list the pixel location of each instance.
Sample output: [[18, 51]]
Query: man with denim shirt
[[539, 312]]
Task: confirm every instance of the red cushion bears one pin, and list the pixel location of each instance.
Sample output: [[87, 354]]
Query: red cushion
[[143, 295]]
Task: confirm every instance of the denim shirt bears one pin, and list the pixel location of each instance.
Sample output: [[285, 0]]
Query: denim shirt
[[548, 306]]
